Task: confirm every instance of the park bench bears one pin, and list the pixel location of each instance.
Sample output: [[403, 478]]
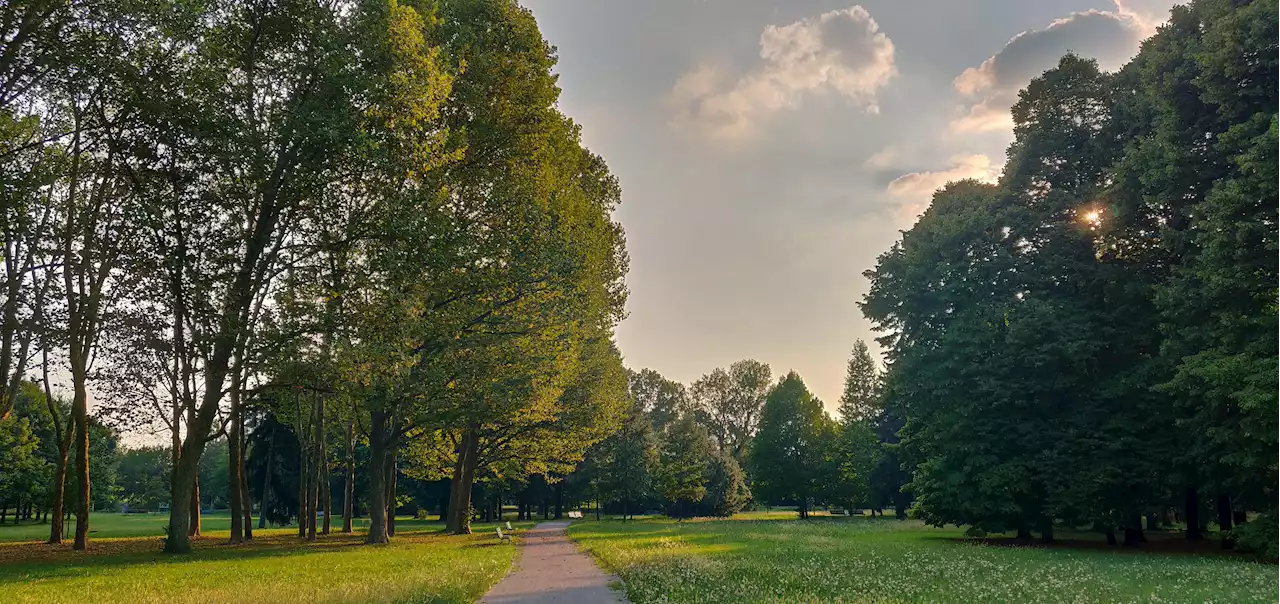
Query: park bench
[[575, 514], [502, 536]]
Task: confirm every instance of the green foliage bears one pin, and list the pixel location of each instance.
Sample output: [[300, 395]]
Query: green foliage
[[860, 400], [727, 492], [629, 462], [144, 477], [681, 475], [25, 473], [1259, 537], [793, 456]]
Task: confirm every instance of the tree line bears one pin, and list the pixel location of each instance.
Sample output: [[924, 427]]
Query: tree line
[[735, 438], [340, 232], [1091, 342]]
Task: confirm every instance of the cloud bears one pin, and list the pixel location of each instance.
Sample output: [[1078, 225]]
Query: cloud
[[914, 190], [882, 159], [990, 89], [1146, 14], [842, 51]]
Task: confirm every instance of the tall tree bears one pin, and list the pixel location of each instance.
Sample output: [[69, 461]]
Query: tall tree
[[791, 456], [860, 400], [683, 460]]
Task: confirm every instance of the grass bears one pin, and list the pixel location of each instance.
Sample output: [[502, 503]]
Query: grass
[[124, 564], [757, 559]]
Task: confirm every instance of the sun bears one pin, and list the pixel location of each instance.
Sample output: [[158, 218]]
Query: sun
[[1092, 217]]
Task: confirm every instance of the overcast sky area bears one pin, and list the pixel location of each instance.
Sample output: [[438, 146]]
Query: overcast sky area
[[769, 151]]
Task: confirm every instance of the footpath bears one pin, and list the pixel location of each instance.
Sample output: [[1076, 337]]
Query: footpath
[[551, 570]]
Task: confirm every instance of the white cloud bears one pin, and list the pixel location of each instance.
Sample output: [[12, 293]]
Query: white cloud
[[1146, 14], [990, 89], [914, 190], [842, 51], [882, 159]]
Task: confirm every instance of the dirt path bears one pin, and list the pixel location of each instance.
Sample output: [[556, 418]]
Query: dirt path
[[551, 569]]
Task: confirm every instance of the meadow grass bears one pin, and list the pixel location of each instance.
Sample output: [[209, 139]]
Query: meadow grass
[[125, 564], [759, 558]]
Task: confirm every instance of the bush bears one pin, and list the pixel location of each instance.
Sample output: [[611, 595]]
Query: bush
[[421, 514], [1258, 537]]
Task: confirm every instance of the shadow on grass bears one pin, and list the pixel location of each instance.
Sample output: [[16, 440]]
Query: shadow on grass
[[24, 562]]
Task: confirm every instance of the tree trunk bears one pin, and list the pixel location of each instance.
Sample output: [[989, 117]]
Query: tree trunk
[[1024, 533], [1046, 532], [1133, 532], [244, 482], [391, 492], [1224, 512], [1111, 537], [194, 504], [1192, 508], [1153, 522], [326, 494], [313, 468], [59, 495], [233, 465], [377, 473], [266, 480], [459, 522], [81, 413], [181, 487], [559, 490], [349, 490]]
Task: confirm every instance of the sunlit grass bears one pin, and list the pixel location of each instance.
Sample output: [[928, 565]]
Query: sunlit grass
[[420, 565], [863, 560]]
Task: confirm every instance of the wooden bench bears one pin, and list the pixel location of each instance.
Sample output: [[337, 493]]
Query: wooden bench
[[575, 515], [502, 536]]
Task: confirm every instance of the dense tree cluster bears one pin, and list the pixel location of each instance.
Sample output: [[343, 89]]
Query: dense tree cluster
[[344, 241], [1091, 342]]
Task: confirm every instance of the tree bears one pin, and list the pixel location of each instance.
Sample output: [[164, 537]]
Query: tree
[[727, 491], [663, 400], [860, 400], [730, 402], [629, 461], [686, 453], [24, 471], [791, 457], [142, 475]]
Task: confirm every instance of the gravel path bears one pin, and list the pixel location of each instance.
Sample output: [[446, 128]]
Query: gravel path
[[551, 569]]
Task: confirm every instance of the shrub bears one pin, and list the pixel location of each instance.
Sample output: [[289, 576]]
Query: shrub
[[1258, 537]]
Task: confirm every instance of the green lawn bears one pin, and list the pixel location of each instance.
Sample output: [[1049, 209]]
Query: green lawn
[[125, 564], [863, 560]]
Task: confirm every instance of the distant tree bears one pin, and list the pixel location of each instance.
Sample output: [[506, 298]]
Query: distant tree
[[143, 477], [861, 398], [792, 454], [727, 491], [663, 400], [25, 473], [729, 403], [686, 453], [630, 460]]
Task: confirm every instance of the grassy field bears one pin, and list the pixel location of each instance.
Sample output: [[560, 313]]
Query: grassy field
[[759, 559], [124, 564]]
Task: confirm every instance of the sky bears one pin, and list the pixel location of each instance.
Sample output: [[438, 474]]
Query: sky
[[769, 151]]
